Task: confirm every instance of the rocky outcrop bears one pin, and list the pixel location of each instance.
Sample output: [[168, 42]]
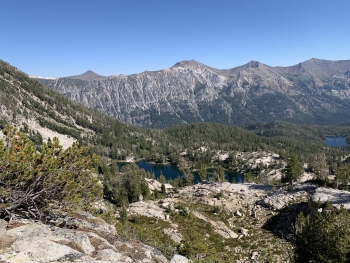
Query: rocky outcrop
[[179, 259], [156, 185], [218, 226], [148, 209], [336, 197], [81, 237], [280, 199], [91, 240]]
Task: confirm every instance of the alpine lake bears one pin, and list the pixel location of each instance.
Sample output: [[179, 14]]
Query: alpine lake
[[336, 141], [172, 171]]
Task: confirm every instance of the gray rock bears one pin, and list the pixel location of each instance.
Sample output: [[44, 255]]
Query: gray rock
[[165, 205], [155, 254], [255, 255], [73, 238], [86, 222], [91, 242], [98, 242], [237, 213], [179, 259], [281, 199], [110, 255], [244, 231], [147, 209], [44, 250], [225, 232], [334, 196], [276, 202], [174, 235], [92, 261], [3, 225]]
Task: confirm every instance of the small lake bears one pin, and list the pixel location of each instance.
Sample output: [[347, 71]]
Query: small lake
[[336, 141], [172, 171]]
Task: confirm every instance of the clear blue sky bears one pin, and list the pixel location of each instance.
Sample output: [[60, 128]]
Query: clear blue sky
[[68, 37]]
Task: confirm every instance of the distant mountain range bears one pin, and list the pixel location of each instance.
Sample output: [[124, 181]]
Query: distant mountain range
[[315, 91]]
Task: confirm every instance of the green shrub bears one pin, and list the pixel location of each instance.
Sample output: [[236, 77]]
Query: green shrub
[[219, 195], [216, 209], [32, 181], [323, 238]]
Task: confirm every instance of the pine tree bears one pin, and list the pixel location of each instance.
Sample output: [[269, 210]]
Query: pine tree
[[163, 189], [220, 173], [320, 166], [323, 239], [343, 174], [202, 173], [293, 170]]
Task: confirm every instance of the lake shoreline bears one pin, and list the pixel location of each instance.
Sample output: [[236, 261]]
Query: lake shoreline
[[171, 171]]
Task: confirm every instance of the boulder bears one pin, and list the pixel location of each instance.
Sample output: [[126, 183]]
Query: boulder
[[276, 202], [225, 232], [165, 205], [110, 255], [37, 242], [34, 240], [179, 259], [336, 197], [237, 213], [83, 221], [255, 255], [72, 238], [44, 250], [3, 225], [98, 242], [155, 254], [244, 231], [174, 235], [280, 199], [156, 185], [147, 209]]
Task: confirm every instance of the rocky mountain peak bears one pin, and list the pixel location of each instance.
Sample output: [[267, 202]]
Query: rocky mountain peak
[[326, 67], [253, 64], [193, 64], [88, 75], [187, 63]]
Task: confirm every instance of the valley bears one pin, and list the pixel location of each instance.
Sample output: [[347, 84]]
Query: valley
[[174, 131], [287, 166]]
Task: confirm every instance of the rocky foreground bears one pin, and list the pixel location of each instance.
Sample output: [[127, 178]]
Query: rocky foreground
[[80, 237]]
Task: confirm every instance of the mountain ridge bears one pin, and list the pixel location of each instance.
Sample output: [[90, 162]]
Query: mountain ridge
[[315, 91], [91, 75]]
